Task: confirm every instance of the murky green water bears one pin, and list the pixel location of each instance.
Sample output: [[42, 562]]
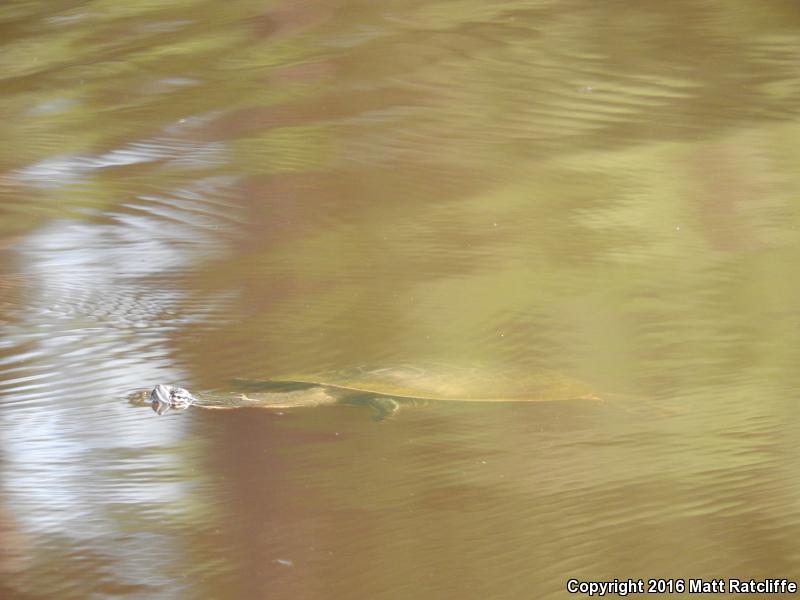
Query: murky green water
[[192, 193]]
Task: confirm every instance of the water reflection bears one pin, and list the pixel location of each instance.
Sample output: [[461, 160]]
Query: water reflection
[[99, 304]]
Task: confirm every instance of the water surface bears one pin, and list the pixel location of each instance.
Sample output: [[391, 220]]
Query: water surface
[[192, 195]]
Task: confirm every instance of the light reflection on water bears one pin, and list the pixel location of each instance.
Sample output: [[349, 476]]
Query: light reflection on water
[[187, 197], [94, 324]]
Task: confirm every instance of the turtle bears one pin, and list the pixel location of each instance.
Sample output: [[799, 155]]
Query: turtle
[[384, 388]]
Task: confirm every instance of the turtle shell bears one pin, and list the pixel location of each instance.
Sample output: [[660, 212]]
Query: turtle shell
[[445, 382]]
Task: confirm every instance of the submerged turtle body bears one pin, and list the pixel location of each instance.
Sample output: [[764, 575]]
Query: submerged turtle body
[[384, 388], [446, 382]]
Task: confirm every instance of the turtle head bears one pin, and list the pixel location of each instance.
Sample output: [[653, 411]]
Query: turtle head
[[166, 397]]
